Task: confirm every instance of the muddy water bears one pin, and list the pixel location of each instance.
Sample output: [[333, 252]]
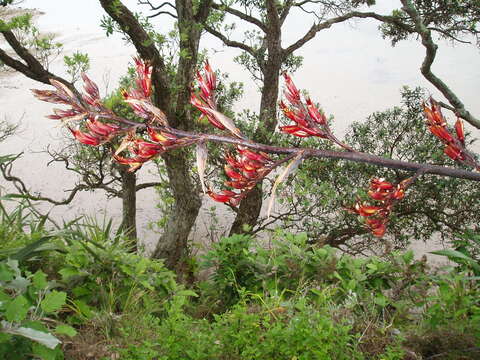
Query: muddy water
[[350, 70]]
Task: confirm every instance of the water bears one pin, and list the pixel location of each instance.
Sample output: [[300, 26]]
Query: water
[[349, 69]]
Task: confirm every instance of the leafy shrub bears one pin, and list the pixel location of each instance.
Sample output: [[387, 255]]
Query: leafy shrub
[[290, 264], [110, 278], [29, 305]]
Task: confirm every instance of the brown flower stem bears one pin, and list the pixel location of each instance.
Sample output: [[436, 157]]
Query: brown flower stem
[[354, 156]]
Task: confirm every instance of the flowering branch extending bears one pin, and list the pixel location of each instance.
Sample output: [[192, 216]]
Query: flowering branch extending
[[251, 162]]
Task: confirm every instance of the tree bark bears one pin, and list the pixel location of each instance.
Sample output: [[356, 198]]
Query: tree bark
[[173, 244], [129, 206], [251, 205]]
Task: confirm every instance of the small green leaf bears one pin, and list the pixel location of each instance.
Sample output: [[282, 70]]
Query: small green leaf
[[53, 301], [44, 352], [381, 300], [20, 284], [186, 293], [65, 330], [68, 272], [408, 257], [3, 296], [456, 256], [6, 274], [17, 310], [39, 280]]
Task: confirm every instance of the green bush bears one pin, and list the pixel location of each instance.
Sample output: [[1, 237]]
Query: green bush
[[29, 309], [112, 279], [291, 264]]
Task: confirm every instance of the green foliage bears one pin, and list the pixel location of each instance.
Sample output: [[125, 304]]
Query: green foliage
[[106, 276], [6, 2], [16, 22], [26, 300], [466, 253], [278, 298], [253, 331], [76, 64], [290, 263], [452, 20], [315, 204], [42, 46], [23, 233]]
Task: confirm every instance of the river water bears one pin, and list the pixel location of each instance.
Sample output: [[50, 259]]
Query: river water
[[349, 69]]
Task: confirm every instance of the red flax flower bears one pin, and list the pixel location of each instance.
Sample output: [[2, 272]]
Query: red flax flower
[[244, 171], [139, 97], [307, 118], [454, 140], [206, 103], [94, 132], [144, 77], [141, 151], [386, 193], [454, 143], [308, 121]]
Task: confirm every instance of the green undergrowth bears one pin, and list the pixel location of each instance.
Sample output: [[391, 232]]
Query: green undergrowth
[[78, 292]]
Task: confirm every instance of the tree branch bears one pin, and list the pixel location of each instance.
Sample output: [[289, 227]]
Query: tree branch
[[431, 51], [311, 33], [6, 170], [33, 68], [229, 42], [153, 7], [240, 15], [144, 46], [336, 155], [147, 185]]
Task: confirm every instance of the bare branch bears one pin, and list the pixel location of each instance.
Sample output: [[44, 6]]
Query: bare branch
[[147, 185], [6, 170], [231, 43], [163, 13], [328, 23], [153, 7], [240, 15]]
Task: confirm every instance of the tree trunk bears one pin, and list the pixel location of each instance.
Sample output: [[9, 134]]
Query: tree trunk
[[171, 94], [250, 207], [129, 206], [173, 245]]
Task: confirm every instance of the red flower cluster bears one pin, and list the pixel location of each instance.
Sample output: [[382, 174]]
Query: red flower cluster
[[244, 171], [144, 151], [92, 95], [454, 145], [307, 118], [376, 217], [206, 103], [97, 134], [139, 98], [97, 131], [144, 77]]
